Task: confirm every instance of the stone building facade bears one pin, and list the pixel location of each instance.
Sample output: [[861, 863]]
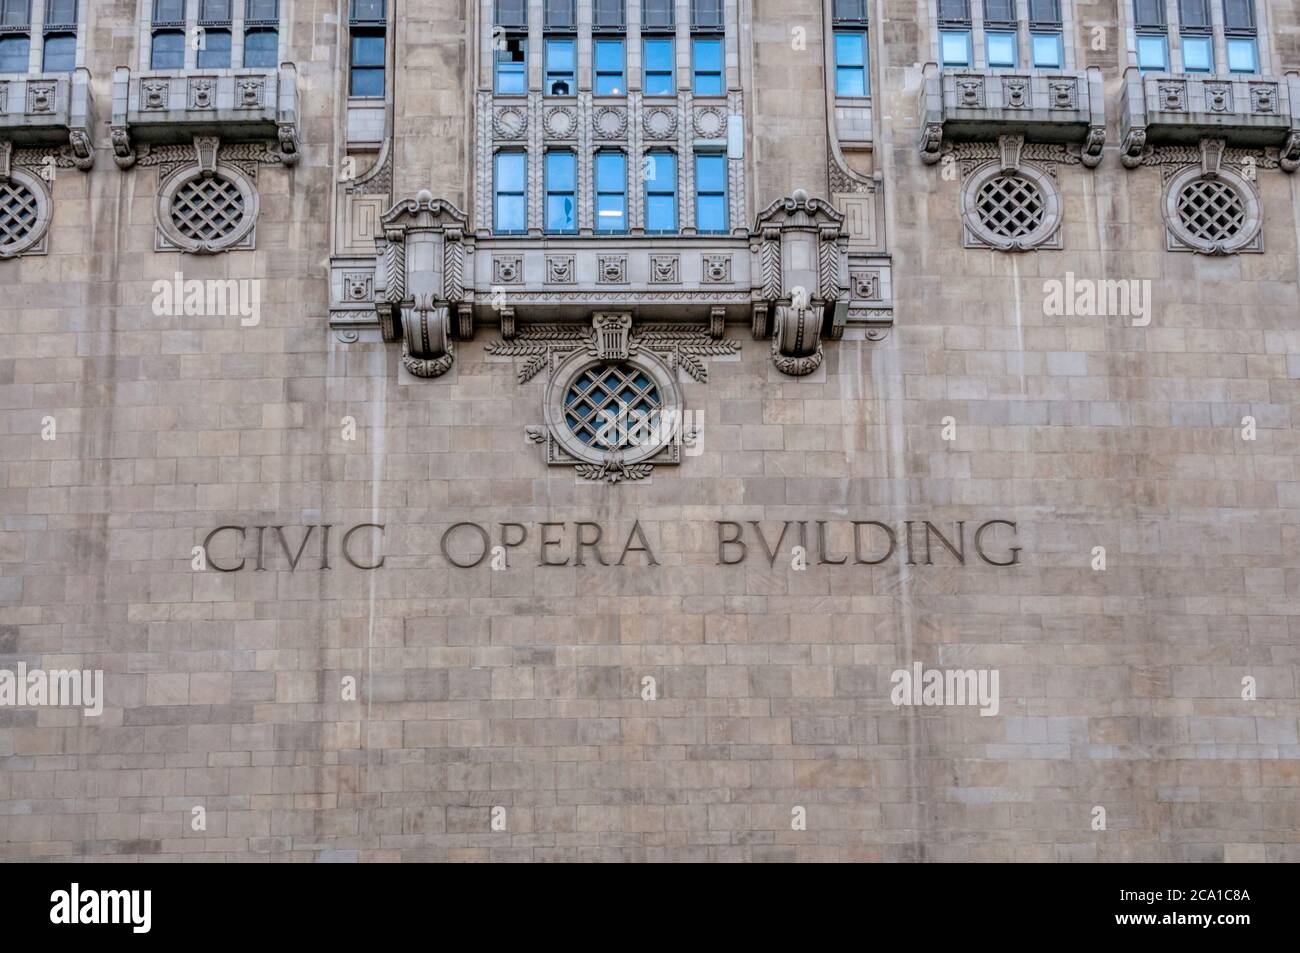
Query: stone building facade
[[570, 429]]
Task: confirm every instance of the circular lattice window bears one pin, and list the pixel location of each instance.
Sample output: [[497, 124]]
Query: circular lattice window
[[207, 212], [1011, 210], [24, 214], [1214, 215], [599, 411]]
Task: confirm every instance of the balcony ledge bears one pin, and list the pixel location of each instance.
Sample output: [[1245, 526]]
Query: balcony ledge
[[50, 109]]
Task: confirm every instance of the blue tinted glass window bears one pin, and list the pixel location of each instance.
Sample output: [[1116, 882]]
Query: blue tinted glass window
[[851, 64], [215, 53], [511, 67], [658, 59], [609, 68], [1242, 55], [711, 193], [60, 53], [367, 64], [1198, 54], [1047, 50], [1002, 50], [707, 64], [561, 178], [261, 48], [1153, 53], [560, 68], [954, 46], [168, 50], [511, 214], [611, 192], [661, 192]]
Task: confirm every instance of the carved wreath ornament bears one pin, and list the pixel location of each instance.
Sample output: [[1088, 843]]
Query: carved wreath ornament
[[613, 407]]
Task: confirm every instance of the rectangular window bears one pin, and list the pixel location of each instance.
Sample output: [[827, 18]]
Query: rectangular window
[[561, 189], [560, 67], [954, 11], [710, 193], [1048, 52], [657, 55], [1194, 14], [1001, 50], [262, 47], [512, 13], [1239, 16], [60, 52], [1000, 13], [1153, 53], [510, 67], [367, 78], [611, 192], [1149, 14], [1243, 55], [706, 14], [168, 50], [658, 15], [661, 193], [954, 47], [511, 208], [214, 11], [368, 11], [609, 15], [168, 11], [15, 13], [1198, 54], [609, 67], [262, 11], [559, 15], [851, 64], [60, 13], [706, 63], [850, 11], [15, 49], [1044, 13], [214, 53]]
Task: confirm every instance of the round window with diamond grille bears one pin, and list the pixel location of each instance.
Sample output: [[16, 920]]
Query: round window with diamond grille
[[1010, 206], [613, 406], [1214, 215], [601, 410], [24, 214], [202, 213], [1011, 210]]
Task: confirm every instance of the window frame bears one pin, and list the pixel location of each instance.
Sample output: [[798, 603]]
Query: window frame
[[498, 192], [601, 190], [356, 69], [670, 72], [550, 42], [713, 39], [863, 68], [720, 195], [549, 192], [655, 155], [517, 67], [597, 73]]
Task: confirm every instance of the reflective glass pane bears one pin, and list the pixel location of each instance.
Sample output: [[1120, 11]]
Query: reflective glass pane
[[60, 53], [14, 51], [1242, 55], [1152, 53], [1047, 49], [1198, 54], [1002, 50], [955, 47]]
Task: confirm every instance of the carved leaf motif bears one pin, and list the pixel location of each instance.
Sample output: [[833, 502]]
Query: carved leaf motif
[[536, 434], [693, 366], [614, 472]]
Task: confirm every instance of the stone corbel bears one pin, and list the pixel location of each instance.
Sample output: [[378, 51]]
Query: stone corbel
[[1093, 147], [6, 160], [931, 144], [286, 116], [1134, 145], [797, 343], [426, 345], [1010, 150], [206, 150], [119, 130], [1212, 157]]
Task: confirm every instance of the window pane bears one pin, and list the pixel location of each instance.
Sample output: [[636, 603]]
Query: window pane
[[512, 13], [956, 11], [955, 47], [1047, 49], [848, 49], [559, 213], [60, 12], [510, 213], [1002, 50], [609, 13], [1239, 14], [611, 188], [852, 10], [168, 50], [60, 53], [261, 48], [999, 11], [559, 172], [216, 50], [1194, 13], [368, 11], [511, 209], [706, 13], [661, 172], [661, 213], [609, 56], [559, 67], [1150, 12], [367, 50], [657, 14], [1198, 54], [367, 81], [168, 11], [658, 56], [1152, 53], [214, 10], [14, 51], [611, 213], [850, 64], [1044, 11], [559, 13], [711, 213], [1241, 55], [511, 171], [610, 174], [710, 173]]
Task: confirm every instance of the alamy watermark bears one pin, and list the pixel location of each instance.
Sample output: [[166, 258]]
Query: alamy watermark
[[1095, 298], [210, 297], [58, 688], [939, 687]]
